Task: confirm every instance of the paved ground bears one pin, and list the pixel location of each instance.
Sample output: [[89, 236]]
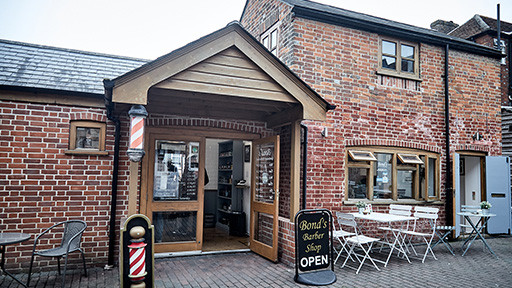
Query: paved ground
[[477, 269]]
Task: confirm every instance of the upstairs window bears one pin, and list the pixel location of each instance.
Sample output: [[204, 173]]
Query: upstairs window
[[399, 58], [270, 39]]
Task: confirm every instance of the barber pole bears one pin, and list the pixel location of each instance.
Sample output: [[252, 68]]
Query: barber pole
[[137, 132], [137, 257], [137, 115]]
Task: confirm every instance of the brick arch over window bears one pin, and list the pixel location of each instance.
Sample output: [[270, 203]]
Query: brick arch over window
[[88, 116], [392, 143], [242, 126]]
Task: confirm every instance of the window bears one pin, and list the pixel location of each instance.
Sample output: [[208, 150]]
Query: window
[[270, 39], [376, 173], [87, 137], [399, 58]]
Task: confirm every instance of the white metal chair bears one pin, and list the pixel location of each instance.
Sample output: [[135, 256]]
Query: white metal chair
[[425, 228], [340, 235], [394, 209], [361, 241]]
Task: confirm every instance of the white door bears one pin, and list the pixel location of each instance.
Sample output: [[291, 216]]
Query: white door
[[497, 176]]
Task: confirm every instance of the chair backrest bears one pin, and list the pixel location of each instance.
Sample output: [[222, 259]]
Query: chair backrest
[[403, 210], [72, 228], [469, 208], [346, 220], [426, 212]]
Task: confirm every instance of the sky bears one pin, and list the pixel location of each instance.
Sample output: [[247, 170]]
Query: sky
[[148, 29]]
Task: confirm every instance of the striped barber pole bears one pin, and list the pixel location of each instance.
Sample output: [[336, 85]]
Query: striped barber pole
[[137, 132], [137, 261]]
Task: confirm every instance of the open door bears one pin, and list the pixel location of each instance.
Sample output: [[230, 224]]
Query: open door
[[456, 193], [497, 176], [265, 197]]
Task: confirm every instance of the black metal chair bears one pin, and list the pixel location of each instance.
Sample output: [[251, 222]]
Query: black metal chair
[[71, 239]]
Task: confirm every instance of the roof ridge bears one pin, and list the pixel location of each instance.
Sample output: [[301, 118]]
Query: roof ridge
[[72, 50], [481, 22]]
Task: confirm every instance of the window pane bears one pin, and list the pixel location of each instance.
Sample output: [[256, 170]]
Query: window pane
[[431, 177], [265, 42], [382, 177], [405, 184], [174, 226], [389, 62], [273, 39], [407, 51], [263, 228], [388, 48], [176, 171], [408, 66], [87, 138], [357, 182]]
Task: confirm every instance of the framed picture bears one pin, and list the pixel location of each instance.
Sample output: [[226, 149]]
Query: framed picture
[[247, 153]]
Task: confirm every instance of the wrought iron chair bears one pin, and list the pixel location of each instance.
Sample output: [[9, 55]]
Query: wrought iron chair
[[71, 239]]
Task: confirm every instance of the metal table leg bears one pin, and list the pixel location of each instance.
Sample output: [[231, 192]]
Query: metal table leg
[[2, 263], [483, 223]]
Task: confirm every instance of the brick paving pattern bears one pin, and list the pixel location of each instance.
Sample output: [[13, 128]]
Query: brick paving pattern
[[477, 269]]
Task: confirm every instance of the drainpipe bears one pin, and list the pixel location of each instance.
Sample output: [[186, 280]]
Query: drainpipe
[[448, 178], [109, 85], [509, 57], [304, 164]]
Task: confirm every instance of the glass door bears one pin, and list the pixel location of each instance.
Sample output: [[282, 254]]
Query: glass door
[[265, 197], [175, 192]]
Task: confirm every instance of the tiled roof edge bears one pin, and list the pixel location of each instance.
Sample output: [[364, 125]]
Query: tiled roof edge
[[72, 50]]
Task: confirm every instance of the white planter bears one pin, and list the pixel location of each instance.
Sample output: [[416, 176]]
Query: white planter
[[485, 212]]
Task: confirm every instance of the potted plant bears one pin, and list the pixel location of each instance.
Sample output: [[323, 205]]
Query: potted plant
[[485, 206], [360, 206]]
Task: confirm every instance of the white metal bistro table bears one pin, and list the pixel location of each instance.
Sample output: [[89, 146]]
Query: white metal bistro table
[[478, 229], [389, 218], [9, 239]]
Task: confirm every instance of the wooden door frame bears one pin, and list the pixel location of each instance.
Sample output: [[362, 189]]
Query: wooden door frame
[[483, 192], [195, 134], [260, 248]]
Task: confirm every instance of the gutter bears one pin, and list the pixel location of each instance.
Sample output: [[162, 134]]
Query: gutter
[[109, 85], [304, 164]]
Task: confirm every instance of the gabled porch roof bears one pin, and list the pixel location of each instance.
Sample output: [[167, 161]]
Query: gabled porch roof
[[226, 74]]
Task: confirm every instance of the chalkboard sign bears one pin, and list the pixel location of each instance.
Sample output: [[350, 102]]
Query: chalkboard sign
[[313, 247]]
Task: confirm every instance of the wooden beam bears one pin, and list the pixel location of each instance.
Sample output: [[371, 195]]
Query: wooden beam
[[295, 170], [285, 117], [132, 190]]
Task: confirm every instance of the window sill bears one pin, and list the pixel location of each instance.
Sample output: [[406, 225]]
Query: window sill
[[397, 75], [86, 152], [351, 202]]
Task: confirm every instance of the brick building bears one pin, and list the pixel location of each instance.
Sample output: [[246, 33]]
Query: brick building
[[376, 130]]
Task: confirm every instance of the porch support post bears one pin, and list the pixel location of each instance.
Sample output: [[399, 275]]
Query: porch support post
[[295, 170], [132, 192]]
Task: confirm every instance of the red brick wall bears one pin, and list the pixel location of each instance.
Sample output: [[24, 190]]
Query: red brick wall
[[40, 185], [341, 63], [488, 40]]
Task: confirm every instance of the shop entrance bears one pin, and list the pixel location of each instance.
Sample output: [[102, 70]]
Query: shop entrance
[[480, 178], [227, 195], [208, 193]]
